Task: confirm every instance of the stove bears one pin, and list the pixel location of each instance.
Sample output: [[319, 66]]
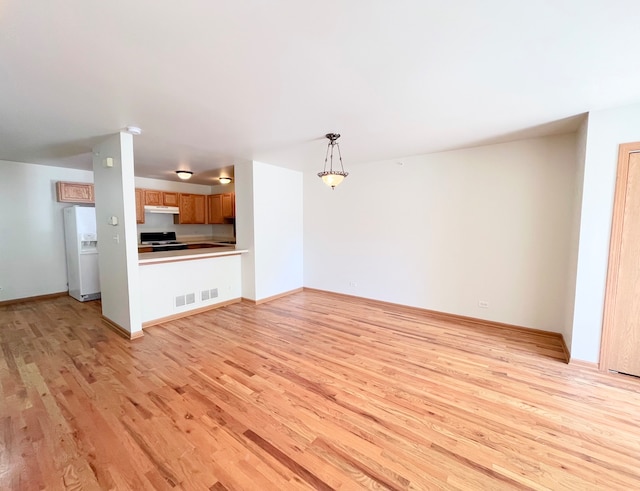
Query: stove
[[161, 241]]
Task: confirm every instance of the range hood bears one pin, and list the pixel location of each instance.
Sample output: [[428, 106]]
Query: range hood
[[171, 210]]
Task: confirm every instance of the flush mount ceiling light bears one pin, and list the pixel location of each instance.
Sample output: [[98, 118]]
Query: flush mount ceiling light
[[332, 177], [184, 174], [134, 130], [224, 180]]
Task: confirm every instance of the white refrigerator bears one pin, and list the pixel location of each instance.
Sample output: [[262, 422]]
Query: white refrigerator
[[81, 242]]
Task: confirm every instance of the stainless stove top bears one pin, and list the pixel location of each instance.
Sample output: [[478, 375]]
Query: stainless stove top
[[161, 241]]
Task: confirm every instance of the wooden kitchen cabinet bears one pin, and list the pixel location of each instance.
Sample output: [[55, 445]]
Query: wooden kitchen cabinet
[[153, 198], [170, 199], [221, 207], [75, 192], [139, 205], [200, 207], [214, 208], [229, 205], [160, 198], [192, 209]]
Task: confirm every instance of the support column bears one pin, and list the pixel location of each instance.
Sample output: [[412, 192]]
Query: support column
[[243, 172], [117, 233]]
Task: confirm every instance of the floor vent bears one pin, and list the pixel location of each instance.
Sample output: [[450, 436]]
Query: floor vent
[[214, 293], [191, 298], [180, 301]]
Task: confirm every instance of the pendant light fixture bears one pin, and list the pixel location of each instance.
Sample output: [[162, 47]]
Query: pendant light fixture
[[332, 177]]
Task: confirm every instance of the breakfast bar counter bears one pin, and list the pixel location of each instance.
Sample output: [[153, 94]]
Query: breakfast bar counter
[[187, 254], [178, 283]]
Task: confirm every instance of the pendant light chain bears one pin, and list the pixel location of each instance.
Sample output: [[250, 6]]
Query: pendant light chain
[[340, 156], [331, 161], [326, 157]]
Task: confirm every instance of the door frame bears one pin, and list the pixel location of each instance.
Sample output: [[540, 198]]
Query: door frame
[[615, 245]]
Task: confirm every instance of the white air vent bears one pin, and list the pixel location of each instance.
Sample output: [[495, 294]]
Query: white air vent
[[214, 293], [204, 295], [180, 301], [191, 298]]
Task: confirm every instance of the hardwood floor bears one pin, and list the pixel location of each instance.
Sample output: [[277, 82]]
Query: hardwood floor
[[310, 391]]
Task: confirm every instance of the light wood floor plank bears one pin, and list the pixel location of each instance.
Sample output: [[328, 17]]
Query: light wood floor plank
[[308, 391]]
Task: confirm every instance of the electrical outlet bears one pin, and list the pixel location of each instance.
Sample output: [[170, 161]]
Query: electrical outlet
[[483, 304], [353, 283]]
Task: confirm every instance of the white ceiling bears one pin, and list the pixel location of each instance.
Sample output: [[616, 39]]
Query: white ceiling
[[214, 82]]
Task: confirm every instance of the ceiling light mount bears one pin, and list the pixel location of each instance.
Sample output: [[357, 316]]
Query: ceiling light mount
[[184, 174], [224, 180], [134, 130], [332, 177]]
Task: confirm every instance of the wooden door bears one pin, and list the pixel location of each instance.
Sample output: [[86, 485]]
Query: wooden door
[[620, 347]]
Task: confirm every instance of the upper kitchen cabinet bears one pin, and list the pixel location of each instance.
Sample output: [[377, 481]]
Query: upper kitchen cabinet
[[192, 209], [214, 205], [139, 205], [229, 205], [160, 198], [170, 199], [153, 198], [75, 192], [221, 207]]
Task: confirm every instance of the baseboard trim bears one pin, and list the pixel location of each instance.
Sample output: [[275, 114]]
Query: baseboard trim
[[118, 329], [445, 315], [583, 364], [567, 353], [273, 297], [188, 313], [47, 296]]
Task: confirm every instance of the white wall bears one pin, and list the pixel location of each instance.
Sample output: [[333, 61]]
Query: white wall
[[32, 250], [175, 186], [572, 264], [277, 201], [444, 231], [33, 218], [117, 244], [161, 283], [269, 226], [244, 226], [607, 129]]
